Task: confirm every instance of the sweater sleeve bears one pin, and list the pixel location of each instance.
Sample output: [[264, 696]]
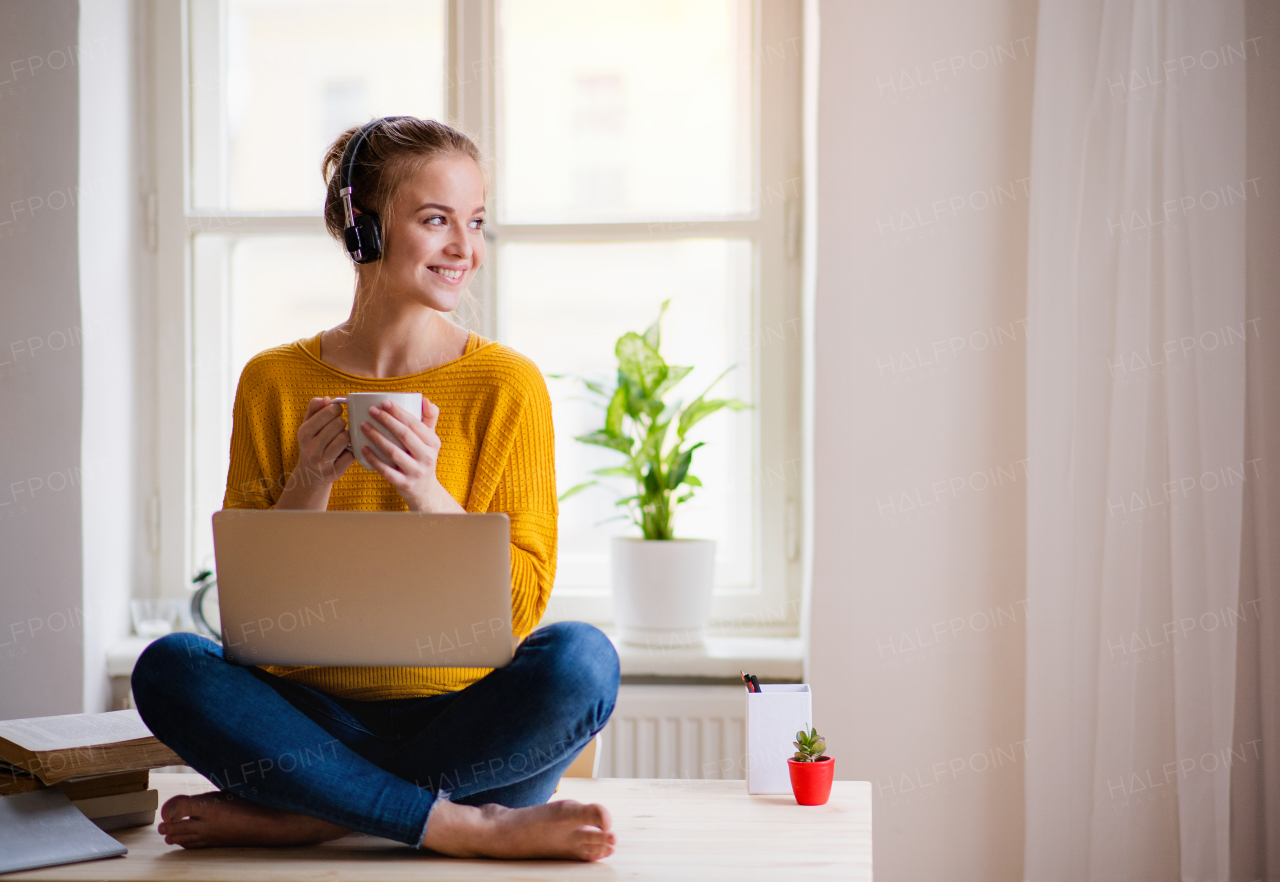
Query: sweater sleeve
[[526, 493], [247, 483]]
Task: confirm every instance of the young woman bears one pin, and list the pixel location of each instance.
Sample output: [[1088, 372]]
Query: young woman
[[460, 761]]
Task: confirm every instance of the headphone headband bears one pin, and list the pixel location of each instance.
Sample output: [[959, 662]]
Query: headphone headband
[[362, 234]]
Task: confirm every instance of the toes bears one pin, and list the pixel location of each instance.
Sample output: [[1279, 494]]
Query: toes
[[181, 829], [591, 834], [591, 837], [189, 833], [580, 813], [184, 806], [592, 844], [187, 841], [176, 808], [600, 816]]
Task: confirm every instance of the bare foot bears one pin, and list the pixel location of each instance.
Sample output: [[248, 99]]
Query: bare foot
[[565, 830], [212, 819]]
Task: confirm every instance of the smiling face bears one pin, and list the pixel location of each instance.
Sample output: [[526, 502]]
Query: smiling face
[[434, 240]]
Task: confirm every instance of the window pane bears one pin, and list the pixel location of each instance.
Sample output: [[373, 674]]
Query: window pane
[[568, 324], [625, 109], [284, 288], [290, 75], [252, 293]]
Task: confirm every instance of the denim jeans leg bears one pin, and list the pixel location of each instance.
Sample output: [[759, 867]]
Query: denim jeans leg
[[247, 738], [510, 736]]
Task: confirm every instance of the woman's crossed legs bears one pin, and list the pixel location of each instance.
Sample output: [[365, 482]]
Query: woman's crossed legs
[[465, 774]]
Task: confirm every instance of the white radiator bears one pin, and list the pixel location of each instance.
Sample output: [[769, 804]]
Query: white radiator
[[675, 732]]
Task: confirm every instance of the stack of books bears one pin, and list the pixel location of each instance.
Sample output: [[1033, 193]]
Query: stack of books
[[99, 761]]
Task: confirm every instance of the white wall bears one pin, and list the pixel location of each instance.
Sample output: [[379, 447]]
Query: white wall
[[69, 219], [917, 632], [41, 335], [108, 238]]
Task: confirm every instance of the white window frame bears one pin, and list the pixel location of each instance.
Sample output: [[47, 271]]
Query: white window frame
[[773, 605]]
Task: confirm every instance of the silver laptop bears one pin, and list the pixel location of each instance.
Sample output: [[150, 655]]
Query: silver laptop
[[399, 589]]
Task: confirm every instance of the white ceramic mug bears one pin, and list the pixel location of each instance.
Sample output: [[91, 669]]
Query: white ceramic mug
[[358, 404]]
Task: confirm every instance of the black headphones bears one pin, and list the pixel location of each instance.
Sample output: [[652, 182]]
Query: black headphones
[[363, 232]]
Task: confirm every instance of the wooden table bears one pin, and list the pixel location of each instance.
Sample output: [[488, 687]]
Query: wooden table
[[667, 829]]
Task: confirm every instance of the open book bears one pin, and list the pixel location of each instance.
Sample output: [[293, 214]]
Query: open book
[[75, 745]]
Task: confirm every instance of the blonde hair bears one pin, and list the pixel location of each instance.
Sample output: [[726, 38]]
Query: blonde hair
[[392, 151]]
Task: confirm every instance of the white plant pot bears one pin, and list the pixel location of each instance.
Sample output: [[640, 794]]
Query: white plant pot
[[662, 590]]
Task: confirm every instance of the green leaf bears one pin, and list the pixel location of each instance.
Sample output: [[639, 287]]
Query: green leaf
[[656, 438], [575, 489], [686, 420], [703, 408], [640, 363], [596, 387], [675, 373], [679, 469], [685, 498], [651, 487], [809, 745], [676, 452], [614, 472], [652, 407], [692, 481], [653, 335], [604, 439], [617, 407], [633, 397]]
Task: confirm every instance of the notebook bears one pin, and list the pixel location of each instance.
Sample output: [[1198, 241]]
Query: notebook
[[43, 829]]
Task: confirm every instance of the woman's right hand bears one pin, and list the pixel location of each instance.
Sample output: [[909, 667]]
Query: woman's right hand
[[323, 457]]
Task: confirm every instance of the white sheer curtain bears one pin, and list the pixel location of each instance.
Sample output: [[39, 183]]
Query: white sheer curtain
[[1136, 390]]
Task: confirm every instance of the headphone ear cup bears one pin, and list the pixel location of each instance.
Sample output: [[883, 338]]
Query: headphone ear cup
[[366, 237]]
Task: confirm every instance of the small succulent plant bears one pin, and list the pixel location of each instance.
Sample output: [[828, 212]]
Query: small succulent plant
[[810, 746]]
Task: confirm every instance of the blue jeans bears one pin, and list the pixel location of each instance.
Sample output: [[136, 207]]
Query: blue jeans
[[379, 766]]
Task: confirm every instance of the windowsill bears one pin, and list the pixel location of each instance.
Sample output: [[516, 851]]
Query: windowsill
[[720, 658], [122, 656]]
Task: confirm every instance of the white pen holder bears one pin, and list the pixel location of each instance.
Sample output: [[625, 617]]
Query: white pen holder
[[774, 715]]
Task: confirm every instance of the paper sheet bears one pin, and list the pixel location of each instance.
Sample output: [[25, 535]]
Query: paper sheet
[[75, 730]]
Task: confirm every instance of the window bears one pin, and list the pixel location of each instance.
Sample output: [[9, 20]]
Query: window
[[273, 82], [644, 150]]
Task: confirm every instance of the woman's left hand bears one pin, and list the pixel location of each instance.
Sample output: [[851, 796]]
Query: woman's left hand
[[413, 474]]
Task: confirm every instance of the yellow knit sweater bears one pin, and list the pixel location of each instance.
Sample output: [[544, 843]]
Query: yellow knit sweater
[[497, 454]]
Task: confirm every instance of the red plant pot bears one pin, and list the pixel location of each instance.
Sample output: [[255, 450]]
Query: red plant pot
[[811, 782]]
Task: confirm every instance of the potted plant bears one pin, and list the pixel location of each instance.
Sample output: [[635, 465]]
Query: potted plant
[[661, 585], [811, 772]]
